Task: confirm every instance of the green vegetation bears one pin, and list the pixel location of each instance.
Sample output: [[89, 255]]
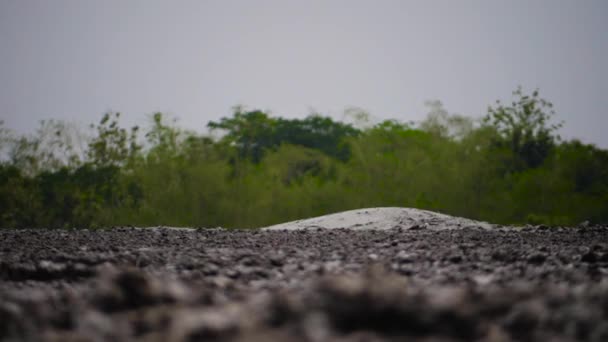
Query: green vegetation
[[510, 167]]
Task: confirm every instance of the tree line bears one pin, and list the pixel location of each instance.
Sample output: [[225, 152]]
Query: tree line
[[510, 167]]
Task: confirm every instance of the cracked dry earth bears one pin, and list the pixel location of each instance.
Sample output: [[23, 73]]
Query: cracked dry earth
[[469, 284]]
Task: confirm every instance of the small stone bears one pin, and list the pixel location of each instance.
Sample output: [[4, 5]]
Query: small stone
[[455, 258], [589, 257], [233, 273], [524, 317], [404, 257], [200, 325], [210, 270], [276, 260], [221, 281], [331, 266], [484, 279], [405, 270], [537, 258]]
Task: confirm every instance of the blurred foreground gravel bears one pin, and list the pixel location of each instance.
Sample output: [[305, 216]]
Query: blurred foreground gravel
[[536, 284]]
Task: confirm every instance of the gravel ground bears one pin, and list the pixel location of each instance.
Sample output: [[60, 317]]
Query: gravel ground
[[469, 284]]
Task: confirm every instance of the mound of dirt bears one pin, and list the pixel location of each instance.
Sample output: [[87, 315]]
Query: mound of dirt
[[383, 218]]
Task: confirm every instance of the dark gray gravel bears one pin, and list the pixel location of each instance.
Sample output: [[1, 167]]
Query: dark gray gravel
[[540, 284]]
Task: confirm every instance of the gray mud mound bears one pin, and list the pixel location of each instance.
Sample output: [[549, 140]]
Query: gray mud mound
[[469, 284], [382, 218]]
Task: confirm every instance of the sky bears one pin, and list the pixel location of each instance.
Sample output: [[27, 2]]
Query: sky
[[75, 60]]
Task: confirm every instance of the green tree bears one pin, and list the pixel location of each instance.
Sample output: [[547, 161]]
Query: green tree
[[251, 132], [113, 145], [525, 128], [19, 199], [317, 132], [255, 132], [439, 122], [56, 144]]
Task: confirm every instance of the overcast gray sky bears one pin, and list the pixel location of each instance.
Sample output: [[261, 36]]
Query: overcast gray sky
[[75, 60]]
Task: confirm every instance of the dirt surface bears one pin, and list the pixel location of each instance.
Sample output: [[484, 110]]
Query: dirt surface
[[536, 284]]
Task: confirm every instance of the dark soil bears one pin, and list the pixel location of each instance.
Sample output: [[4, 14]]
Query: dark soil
[[541, 284]]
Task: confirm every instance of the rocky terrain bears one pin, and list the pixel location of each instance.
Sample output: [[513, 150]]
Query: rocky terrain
[[408, 282]]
